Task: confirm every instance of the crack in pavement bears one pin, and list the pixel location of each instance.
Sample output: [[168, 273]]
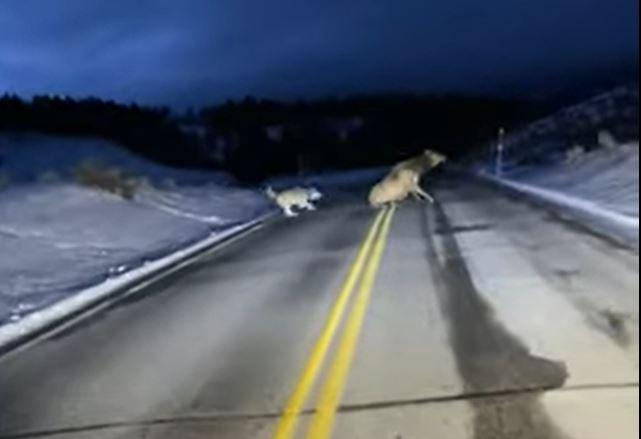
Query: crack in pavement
[[348, 408]]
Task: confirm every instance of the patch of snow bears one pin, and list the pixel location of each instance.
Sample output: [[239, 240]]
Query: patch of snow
[[601, 187], [204, 202], [585, 158], [16, 328], [68, 216], [576, 203], [33, 157], [608, 178], [58, 238]]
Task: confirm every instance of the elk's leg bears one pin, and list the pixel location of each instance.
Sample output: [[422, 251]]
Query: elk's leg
[[421, 193]]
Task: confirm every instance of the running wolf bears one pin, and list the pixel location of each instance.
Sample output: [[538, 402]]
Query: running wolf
[[299, 197], [404, 179]]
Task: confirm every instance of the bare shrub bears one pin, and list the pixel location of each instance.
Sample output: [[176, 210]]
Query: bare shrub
[[49, 177], [108, 179], [5, 179]]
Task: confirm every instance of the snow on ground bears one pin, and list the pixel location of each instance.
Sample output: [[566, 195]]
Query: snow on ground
[[32, 157], [609, 178], [599, 189], [203, 203], [575, 160], [57, 238]]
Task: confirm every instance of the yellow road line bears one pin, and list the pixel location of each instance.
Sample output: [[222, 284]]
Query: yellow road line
[[322, 424], [289, 420]]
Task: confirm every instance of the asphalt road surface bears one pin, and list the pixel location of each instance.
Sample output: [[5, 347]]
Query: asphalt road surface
[[481, 317]]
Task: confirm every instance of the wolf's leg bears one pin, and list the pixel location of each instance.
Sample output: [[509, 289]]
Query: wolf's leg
[[289, 212], [307, 205]]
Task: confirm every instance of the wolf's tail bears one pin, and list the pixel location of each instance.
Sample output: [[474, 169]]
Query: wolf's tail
[[270, 193]]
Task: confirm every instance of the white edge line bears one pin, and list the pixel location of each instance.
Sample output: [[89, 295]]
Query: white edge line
[[37, 321], [585, 206]]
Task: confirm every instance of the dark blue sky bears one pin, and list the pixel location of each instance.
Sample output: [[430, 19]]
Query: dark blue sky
[[184, 52]]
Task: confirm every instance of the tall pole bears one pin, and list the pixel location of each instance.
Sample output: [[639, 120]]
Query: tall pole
[[498, 164]]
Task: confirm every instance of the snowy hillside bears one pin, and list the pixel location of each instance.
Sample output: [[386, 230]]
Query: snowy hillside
[[57, 237], [585, 157], [30, 157], [608, 177]]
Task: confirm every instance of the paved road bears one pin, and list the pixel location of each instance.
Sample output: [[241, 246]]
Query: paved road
[[488, 319]]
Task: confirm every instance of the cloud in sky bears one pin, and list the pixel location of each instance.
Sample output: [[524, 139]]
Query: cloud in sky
[[196, 51]]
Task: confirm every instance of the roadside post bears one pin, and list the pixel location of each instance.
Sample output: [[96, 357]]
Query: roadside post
[[498, 160]]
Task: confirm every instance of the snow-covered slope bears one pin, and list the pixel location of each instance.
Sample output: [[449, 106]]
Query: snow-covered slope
[[607, 177], [214, 204], [30, 157], [574, 159], [57, 237]]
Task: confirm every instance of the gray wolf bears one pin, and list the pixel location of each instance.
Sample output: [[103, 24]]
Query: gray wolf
[[298, 197]]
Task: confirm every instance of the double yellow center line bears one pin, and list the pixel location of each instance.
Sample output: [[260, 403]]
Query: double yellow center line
[[364, 269]]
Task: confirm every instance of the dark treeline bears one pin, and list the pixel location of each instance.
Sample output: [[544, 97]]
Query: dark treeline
[[268, 137], [149, 132], [255, 139]]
